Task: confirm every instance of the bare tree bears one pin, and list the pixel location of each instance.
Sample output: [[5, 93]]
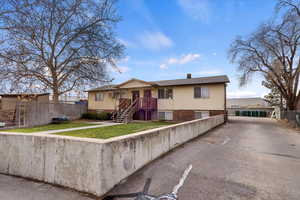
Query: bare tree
[[57, 45], [274, 97], [290, 6], [273, 50]]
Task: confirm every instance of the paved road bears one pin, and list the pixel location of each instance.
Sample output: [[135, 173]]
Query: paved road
[[242, 160], [12, 188], [246, 159]]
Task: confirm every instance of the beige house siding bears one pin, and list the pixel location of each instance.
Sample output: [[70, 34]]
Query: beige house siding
[[141, 90], [108, 102], [183, 99], [135, 84]]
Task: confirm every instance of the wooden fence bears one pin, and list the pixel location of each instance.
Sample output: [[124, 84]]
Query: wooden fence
[[34, 114]]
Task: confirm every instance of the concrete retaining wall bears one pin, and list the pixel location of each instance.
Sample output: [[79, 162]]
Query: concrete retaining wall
[[92, 165]]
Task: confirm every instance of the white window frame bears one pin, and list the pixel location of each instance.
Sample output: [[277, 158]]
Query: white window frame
[[202, 114], [204, 92], [165, 93], [99, 96], [168, 115]]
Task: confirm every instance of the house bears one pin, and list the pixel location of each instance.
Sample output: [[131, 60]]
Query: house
[[9, 101], [9, 104], [237, 106], [178, 99]]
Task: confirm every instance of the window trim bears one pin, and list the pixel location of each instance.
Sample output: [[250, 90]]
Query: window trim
[[166, 93], [101, 98], [202, 113], [165, 112], [201, 92]]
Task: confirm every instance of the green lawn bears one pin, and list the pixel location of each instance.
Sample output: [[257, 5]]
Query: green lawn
[[116, 130], [49, 127]]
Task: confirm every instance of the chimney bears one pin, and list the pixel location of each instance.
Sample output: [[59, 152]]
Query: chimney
[[188, 76]]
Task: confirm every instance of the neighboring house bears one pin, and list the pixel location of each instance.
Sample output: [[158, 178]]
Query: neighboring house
[[248, 104], [178, 100], [9, 101]]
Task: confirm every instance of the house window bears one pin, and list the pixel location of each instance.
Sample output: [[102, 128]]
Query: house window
[[99, 96], [201, 92], [118, 94], [201, 114], [165, 93], [165, 115]]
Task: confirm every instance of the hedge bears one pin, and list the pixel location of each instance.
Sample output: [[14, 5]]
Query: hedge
[[97, 116]]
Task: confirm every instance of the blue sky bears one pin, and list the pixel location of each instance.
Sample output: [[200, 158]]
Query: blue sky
[[165, 39]]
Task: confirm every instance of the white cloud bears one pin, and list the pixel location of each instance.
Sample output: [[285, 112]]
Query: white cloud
[[155, 40], [163, 66], [180, 61], [242, 94], [214, 54], [197, 9]]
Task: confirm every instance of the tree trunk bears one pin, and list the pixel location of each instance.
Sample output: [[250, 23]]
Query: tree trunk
[[291, 104], [55, 95]]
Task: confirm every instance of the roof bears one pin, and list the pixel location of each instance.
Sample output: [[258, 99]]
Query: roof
[[103, 88], [24, 94], [194, 81], [174, 82]]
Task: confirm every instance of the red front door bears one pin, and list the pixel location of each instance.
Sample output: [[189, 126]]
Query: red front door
[[147, 103], [147, 94], [136, 95]]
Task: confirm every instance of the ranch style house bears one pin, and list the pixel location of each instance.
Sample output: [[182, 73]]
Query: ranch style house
[[174, 100]]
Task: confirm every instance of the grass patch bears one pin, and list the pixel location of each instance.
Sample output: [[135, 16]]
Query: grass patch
[[116, 130], [49, 127]]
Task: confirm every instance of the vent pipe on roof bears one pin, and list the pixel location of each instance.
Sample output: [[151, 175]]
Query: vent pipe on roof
[[188, 76]]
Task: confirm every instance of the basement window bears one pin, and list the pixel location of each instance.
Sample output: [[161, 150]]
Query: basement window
[[201, 114], [165, 115]]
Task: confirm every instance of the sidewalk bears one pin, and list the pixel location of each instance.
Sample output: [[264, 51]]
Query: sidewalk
[[70, 129], [13, 188]]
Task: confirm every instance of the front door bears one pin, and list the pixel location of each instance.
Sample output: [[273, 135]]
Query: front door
[[147, 94], [136, 95], [147, 103]]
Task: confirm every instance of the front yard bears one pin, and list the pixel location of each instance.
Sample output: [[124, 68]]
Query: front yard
[[116, 130], [50, 127]]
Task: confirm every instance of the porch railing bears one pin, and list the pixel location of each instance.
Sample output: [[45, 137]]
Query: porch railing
[[147, 103]]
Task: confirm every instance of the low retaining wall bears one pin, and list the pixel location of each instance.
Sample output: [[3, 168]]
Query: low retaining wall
[[92, 165]]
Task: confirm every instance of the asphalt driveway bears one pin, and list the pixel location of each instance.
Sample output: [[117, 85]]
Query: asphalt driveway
[[247, 158]]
